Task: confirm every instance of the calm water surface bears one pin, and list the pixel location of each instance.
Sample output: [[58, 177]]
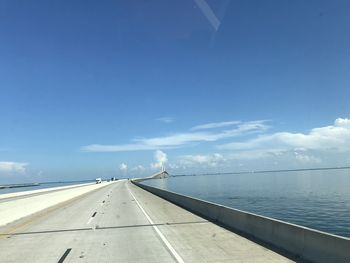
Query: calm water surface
[[316, 199]]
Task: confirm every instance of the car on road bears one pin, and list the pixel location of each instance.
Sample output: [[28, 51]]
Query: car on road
[[98, 180]]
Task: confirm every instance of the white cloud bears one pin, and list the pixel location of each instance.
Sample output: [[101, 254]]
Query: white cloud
[[118, 147], [322, 146], [306, 158], [138, 168], [13, 167], [123, 167], [329, 138], [180, 139], [165, 119], [160, 156], [160, 159], [342, 122], [254, 154], [193, 160], [186, 138], [213, 125]]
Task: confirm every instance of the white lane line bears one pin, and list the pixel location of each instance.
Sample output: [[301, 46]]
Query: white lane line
[[166, 242], [88, 222]]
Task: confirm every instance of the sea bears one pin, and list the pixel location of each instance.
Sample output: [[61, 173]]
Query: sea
[[318, 199]]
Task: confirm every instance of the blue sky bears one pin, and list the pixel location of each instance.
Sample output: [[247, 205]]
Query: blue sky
[[87, 88]]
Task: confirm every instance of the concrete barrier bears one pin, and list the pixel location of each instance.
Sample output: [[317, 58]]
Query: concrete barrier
[[31, 192], [11, 210], [301, 242]]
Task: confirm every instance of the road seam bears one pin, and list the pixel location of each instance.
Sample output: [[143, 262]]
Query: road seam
[[160, 234]]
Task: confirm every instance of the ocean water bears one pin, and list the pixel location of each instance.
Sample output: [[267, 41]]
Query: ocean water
[[37, 187], [315, 199]]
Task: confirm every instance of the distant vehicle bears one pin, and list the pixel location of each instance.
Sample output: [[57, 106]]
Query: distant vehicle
[[113, 179], [98, 180]]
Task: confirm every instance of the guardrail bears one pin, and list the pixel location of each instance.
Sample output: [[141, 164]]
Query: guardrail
[[301, 242]]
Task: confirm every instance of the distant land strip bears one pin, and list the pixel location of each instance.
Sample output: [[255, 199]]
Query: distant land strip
[[42, 183], [18, 185], [265, 171]]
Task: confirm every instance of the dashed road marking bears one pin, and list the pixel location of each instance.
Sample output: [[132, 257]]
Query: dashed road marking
[[64, 255], [91, 218]]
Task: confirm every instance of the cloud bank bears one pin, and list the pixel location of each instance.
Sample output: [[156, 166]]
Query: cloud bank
[[325, 146], [160, 158], [212, 160], [248, 146], [8, 168], [335, 137], [183, 139], [322, 146]]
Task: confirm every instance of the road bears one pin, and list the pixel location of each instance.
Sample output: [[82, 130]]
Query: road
[[123, 223]]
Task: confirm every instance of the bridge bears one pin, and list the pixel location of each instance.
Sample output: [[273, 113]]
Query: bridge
[[159, 175], [119, 222]]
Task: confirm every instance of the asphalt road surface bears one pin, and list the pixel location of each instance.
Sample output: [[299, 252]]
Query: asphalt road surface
[[123, 223]]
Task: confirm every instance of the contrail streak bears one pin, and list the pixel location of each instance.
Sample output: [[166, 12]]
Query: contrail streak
[[208, 13]]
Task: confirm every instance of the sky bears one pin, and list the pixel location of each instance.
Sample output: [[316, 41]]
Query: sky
[[118, 88]]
